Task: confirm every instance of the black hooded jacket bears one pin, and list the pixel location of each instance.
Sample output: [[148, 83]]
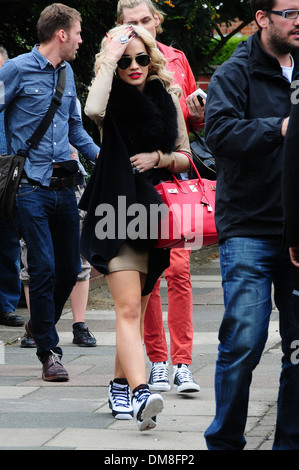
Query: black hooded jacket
[[290, 174], [248, 99]]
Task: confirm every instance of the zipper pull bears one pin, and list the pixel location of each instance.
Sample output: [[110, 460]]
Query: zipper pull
[[15, 173]]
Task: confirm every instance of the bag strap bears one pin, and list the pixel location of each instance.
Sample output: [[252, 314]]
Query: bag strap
[[197, 136], [47, 119], [201, 182], [192, 164], [178, 182]]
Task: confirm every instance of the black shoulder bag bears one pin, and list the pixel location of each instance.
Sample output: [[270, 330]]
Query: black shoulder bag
[[203, 157], [11, 166]]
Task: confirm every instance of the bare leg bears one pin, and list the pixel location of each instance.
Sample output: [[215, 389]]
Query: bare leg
[[125, 288], [144, 302], [26, 293], [79, 298], [118, 371]]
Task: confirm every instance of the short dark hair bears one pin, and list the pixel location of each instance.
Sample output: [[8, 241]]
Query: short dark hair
[[54, 17], [264, 5]]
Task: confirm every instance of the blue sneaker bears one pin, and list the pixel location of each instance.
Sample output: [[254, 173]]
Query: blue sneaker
[[182, 379], [159, 381]]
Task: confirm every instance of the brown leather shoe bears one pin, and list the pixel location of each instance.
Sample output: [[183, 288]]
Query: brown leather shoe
[[53, 370]]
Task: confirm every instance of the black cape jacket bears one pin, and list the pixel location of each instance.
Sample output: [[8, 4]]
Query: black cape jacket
[[134, 122], [248, 99]]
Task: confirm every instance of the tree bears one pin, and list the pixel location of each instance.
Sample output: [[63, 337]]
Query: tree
[[18, 33], [191, 24], [18, 29]]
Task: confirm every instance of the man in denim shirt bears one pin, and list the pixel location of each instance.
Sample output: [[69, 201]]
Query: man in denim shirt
[[3, 58], [46, 207], [10, 286]]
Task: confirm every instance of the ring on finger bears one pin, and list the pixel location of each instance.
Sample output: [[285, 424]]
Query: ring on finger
[[123, 39]]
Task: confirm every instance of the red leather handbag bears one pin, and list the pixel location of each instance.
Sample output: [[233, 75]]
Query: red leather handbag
[[189, 221]]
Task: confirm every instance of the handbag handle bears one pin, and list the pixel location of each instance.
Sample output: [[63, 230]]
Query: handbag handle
[[204, 199], [194, 168]]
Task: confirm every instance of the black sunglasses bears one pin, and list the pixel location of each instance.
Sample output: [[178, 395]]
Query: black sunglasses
[[142, 60]]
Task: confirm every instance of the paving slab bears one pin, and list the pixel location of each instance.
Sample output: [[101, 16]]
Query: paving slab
[[38, 415]]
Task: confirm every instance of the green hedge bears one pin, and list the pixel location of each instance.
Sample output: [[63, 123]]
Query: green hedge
[[227, 50]]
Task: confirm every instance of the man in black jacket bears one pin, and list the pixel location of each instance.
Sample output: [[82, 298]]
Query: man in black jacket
[[246, 120]]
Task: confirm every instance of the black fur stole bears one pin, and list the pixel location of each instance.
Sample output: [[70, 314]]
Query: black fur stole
[[148, 120]]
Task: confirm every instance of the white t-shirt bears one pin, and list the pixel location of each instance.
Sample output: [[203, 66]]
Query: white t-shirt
[[287, 72]]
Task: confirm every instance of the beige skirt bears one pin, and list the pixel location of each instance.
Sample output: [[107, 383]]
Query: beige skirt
[[129, 259]]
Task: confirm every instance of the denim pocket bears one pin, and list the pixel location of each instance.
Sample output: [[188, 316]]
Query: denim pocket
[[25, 189]]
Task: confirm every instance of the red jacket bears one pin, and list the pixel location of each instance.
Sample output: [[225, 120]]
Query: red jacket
[[178, 64]]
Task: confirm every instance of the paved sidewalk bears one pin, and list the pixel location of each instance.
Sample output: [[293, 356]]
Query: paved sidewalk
[[38, 415]]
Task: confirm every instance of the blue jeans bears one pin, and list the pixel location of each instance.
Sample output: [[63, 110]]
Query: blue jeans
[[48, 221], [10, 251], [249, 267]]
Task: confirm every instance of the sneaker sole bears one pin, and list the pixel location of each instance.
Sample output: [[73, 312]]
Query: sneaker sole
[[82, 345], [154, 406], [120, 414], [160, 387], [12, 323], [28, 346], [187, 388]]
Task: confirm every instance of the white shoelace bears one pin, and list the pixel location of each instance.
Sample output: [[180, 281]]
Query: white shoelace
[[142, 395], [159, 372], [55, 358], [184, 373], [120, 395]]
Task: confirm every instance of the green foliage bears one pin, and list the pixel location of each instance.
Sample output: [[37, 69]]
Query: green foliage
[[189, 25], [226, 51]]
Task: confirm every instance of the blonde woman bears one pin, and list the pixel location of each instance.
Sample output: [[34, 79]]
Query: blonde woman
[[178, 278], [144, 140]]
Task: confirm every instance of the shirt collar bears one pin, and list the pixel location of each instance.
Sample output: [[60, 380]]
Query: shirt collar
[[42, 60]]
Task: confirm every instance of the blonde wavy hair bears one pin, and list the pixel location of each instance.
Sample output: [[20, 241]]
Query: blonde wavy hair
[[157, 67], [135, 3]]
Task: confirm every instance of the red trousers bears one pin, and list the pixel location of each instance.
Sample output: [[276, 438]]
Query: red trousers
[[180, 312]]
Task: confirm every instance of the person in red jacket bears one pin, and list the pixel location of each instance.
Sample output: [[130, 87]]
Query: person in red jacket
[[180, 302]]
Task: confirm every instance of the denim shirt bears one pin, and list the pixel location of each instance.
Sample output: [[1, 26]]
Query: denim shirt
[[2, 134], [29, 82]]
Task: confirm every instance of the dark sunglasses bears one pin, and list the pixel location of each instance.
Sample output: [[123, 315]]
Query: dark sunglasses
[[142, 60]]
